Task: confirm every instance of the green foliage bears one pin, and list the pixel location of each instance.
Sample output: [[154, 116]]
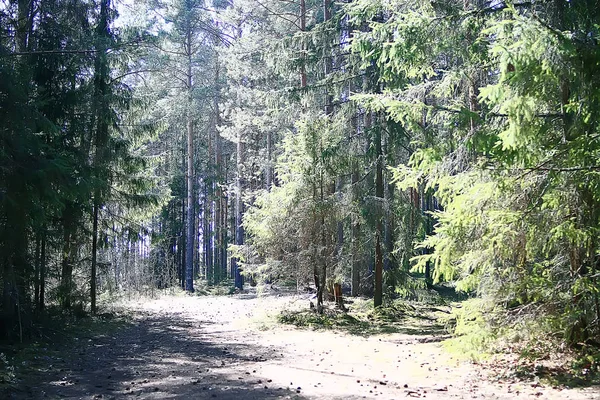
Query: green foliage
[[461, 136], [223, 288], [500, 105], [309, 319], [473, 334], [288, 223], [586, 367], [398, 316]]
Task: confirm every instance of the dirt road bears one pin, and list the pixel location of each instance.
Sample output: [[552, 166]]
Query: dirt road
[[226, 348]]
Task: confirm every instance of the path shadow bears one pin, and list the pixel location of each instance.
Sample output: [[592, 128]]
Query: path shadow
[[157, 357]]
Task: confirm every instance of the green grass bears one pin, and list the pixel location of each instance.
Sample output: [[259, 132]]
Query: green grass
[[223, 288], [363, 319]]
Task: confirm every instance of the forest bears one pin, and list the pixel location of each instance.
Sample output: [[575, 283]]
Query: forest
[[354, 149]]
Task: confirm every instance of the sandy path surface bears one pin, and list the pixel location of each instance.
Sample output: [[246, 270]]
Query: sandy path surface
[[226, 348]]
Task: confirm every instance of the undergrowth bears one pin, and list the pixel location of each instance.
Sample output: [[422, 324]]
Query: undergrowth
[[529, 348], [223, 288], [397, 316]]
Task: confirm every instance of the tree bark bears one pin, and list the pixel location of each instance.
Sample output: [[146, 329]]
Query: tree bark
[[221, 205], [42, 296], [327, 60], [303, 80], [69, 218], [101, 76], [379, 194], [36, 280], [355, 278], [239, 210], [94, 254], [322, 272], [189, 242], [269, 170]]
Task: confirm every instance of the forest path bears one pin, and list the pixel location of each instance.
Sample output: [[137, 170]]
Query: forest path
[[225, 348]]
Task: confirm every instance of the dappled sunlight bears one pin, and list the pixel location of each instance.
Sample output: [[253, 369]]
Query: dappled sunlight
[[217, 347]]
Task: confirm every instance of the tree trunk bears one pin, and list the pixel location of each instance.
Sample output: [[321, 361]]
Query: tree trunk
[[189, 242], [41, 299], [239, 210], [318, 254], [355, 279], [269, 171], [232, 229], [206, 232], [69, 218], [327, 60], [94, 253], [303, 80], [224, 232], [24, 24], [379, 194], [8, 294], [181, 246], [209, 236], [101, 76], [426, 207], [221, 205], [322, 269], [36, 281], [389, 227]]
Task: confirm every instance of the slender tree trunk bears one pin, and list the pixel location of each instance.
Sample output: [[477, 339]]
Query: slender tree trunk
[[216, 223], [239, 210], [389, 220], [206, 233], [355, 236], [426, 206], [36, 281], [42, 296], [379, 194], [317, 255], [209, 237], [337, 287], [217, 239], [101, 76], [181, 246], [269, 171], [189, 243], [66, 277], [303, 79], [221, 204], [322, 269], [317, 230], [389, 226], [8, 290], [321, 282], [327, 61], [224, 232], [197, 222], [69, 216], [94, 253], [24, 24], [232, 230]]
